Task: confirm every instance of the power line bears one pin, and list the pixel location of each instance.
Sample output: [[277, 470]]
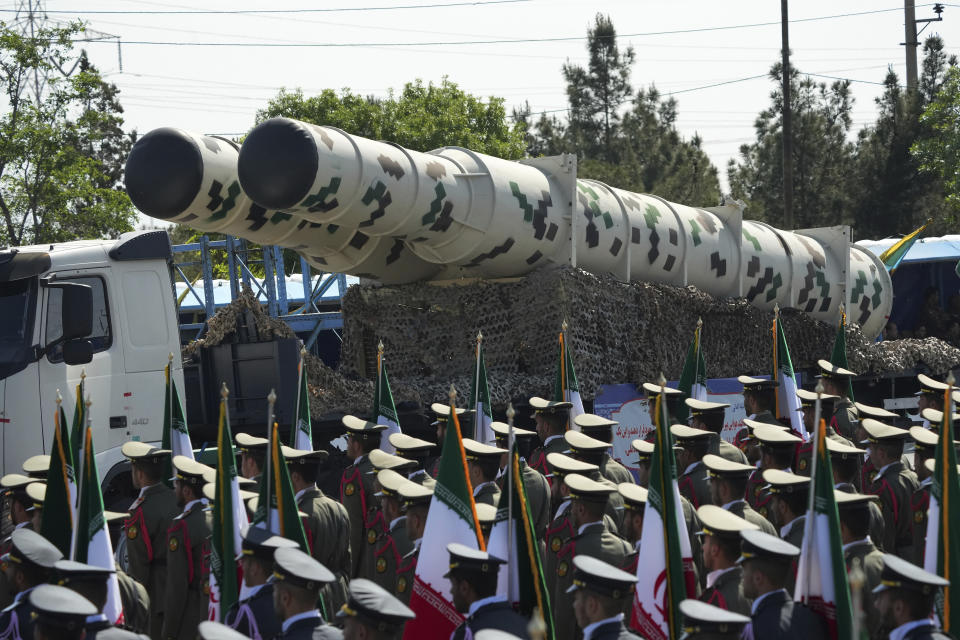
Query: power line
[[474, 42], [139, 12]]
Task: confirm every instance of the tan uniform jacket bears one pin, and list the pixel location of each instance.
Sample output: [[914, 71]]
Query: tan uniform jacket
[[356, 495], [895, 488], [186, 593], [727, 592], [327, 527]]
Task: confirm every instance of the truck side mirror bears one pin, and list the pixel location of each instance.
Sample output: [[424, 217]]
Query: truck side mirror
[[76, 310], [77, 352]]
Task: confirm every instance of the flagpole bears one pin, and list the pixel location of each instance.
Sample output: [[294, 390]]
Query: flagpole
[[268, 475], [510, 524], [295, 429], [945, 501], [170, 394], [476, 389], [809, 523], [563, 366], [776, 369], [696, 366]]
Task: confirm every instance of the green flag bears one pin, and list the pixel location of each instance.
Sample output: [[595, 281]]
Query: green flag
[[229, 521], [821, 572], [942, 554], [480, 401], [839, 355], [79, 420], [301, 435], [565, 385], [522, 578], [276, 507], [175, 436], [61, 496], [383, 407], [693, 378]]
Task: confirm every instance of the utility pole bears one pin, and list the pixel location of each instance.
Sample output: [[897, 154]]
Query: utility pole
[[787, 120], [910, 35]]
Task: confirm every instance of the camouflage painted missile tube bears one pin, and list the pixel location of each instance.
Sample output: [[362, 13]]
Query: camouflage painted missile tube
[[378, 210]]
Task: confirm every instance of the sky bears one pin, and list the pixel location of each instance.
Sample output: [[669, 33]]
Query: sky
[[713, 57]]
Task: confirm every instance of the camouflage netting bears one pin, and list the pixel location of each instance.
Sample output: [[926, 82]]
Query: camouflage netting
[[618, 332]]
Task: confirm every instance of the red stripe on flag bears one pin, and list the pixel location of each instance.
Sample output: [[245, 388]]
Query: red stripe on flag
[[436, 617]]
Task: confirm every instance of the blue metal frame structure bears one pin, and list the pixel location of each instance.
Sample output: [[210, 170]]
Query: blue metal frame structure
[[239, 255]]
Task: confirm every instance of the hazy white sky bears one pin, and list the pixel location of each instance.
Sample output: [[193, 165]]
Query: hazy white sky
[[217, 89]]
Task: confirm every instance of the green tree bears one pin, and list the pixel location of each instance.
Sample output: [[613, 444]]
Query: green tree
[[597, 93], [939, 152], [61, 153], [822, 156], [421, 117], [892, 196], [623, 139]]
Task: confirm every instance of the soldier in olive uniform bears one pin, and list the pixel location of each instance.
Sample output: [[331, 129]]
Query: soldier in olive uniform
[[186, 594], [37, 492], [859, 550], [483, 463], [644, 451], [589, 449], [356, 489], [778, 450], [905, 598], [710, 416], [473, 591], [297, 580], [551, 419], [836, 382], [416, 450], [634, 504], [673, 399], [13, 490], [91, 582], [600, 428], [759, 401], [253, 455], [728, 482], [146, 529], [394, 543], [253, 616], [789, 497], [588, 500], [375, 610], [702, 621], [808, 401], [536, 485], [327, 525], [924, 447], [415, 500], [692, 445], [846, 475], [930, 395], [721, 548], [441, 414], [27, 564], [893, 484], [600, 593]]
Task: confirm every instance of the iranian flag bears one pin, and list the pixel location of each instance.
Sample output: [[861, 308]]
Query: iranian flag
[[693, 378], [452, 518], [229, 522], [942, 552], [514, 539], [821, 573], [276, 506], [665, 567], [565, 385], [788, 404], [175, 436], [61, 497], [77, 430], [92, 540], [839, 355], [480, 400], [383, 407], [301, 436]]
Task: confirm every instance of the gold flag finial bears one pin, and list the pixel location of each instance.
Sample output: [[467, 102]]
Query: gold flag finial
[[950, 379], [511, 412], [59, 399], [303, 351], [564, 326], [224, 392], [776, 308], [380, 347], [699, 323], [819, 389], [170, 357], [83, 374], [479, 336], [662, 381], [452, 394], [272, 398]]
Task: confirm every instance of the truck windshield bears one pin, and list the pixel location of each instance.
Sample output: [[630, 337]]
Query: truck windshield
[[18, 299]]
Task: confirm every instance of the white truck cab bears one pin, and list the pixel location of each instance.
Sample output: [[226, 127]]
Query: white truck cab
[[121, 326]]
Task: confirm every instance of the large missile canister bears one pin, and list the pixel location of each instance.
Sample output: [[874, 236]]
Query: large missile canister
[[380, 211]]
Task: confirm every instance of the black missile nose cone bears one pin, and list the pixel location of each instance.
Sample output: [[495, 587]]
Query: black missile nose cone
[[163, 173], [278, 163]]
